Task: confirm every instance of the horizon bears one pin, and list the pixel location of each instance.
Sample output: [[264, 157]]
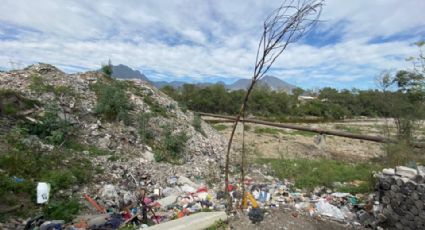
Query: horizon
[[211, 41]]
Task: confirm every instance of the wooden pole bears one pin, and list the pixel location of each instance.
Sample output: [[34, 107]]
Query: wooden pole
[[314, 130]]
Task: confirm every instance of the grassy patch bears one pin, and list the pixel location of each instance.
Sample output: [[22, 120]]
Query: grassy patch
[[172, 146], [267, 130], [155, 107], [350, 129], [219, 127], [218, 225], [24, 163], [12, 102], [302, 133], [62, 210], [311, 173]]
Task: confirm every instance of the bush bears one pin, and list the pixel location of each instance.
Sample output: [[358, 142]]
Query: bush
[[50, 127], [12, 102], [112, 102], [59, 179], [172, 146], [37, 84], [154, 107], [62, 210], [197, 123], [145, 133]]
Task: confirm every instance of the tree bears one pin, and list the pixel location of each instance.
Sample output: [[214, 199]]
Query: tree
[[107, 69]]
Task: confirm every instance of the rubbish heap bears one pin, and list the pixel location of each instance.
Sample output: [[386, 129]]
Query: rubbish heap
[[401, 192], [322, 203]]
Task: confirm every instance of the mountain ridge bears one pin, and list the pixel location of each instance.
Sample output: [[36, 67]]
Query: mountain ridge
[[274, 83]]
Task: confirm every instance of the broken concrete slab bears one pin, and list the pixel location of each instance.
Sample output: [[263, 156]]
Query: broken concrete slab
[[406, 172], [196, 221], [169, 200]]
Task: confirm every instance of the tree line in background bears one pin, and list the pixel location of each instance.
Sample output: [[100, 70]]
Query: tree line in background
[[327, 103], [401, 96]]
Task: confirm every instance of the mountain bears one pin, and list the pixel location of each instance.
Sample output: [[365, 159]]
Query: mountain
[[124, 72], [273, 83]]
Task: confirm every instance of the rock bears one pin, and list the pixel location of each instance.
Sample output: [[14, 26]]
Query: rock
[[188, 189], [105, 141], [184, 180], [406, 172], [149, 156], [109, 195], [170, 191], [389, 172], [169, 200], [97, 220]]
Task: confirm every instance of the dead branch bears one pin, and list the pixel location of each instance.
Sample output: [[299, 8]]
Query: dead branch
[[283, 26]]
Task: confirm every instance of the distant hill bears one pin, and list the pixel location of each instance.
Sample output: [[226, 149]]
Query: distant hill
[[274, 83], [124, 72]]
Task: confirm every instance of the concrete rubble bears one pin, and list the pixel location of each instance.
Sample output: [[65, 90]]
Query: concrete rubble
[[401, 196]]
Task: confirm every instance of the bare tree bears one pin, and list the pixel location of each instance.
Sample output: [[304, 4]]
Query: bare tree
[[283, 26]]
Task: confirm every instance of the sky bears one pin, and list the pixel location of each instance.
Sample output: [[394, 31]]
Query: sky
[[211, 40]]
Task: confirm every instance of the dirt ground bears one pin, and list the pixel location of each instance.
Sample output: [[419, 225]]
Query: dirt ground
[[271, 142], [286, 220]]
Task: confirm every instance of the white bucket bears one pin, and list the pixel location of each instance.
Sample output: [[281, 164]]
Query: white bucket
[[43, 190]]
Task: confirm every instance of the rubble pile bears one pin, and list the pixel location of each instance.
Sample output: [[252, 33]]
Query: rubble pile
[[401, 192], [117, 137]]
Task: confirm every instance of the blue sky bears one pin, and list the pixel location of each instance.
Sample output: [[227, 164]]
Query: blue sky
[[211, 40]]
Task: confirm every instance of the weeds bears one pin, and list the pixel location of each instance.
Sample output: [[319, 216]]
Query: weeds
[[311, 173], [11, 103], [172, 146], [50, 127], [219, 127], [62, 210], [112, 101], [155, 107], [197, 123], [349, 129]]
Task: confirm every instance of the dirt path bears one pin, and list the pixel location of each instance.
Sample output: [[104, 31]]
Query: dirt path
[[286, 220]]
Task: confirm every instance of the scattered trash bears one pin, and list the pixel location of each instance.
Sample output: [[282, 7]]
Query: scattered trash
[[326, 209]]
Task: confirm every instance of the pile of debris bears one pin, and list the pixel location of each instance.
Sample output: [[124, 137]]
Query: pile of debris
[[401, 192], [271, 194]]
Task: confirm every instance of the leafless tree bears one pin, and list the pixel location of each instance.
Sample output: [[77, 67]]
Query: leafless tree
[[283, 26]]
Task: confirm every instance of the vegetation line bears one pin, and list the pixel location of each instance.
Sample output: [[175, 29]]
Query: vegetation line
[[315, 130]]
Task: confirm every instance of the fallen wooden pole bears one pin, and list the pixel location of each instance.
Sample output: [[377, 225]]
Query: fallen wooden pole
[[314, 130]]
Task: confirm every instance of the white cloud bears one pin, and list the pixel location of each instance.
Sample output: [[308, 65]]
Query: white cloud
[[205, 38]]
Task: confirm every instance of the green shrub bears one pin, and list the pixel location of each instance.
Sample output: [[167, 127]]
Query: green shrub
[[12, 102], [37, 84], [154, 107], [145, 132], [50, 127], [197, 123], [107, 69], [62, 210], [59, 179], [112, 102], [172, 146], [64, 90]]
